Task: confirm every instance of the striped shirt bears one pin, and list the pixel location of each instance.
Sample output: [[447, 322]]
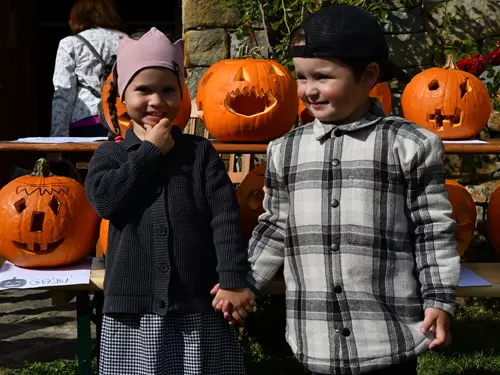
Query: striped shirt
[[358, 216]]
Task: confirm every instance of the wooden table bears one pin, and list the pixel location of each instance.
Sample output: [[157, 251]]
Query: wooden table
[[220, 147], [489, 147]]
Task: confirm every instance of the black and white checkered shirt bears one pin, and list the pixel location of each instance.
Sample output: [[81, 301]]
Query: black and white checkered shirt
[[358, 215]]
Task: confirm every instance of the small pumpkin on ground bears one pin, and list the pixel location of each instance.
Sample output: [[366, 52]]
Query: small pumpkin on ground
[[247, 100], [450, 102], [250, 195], [463, 212], [124, 120], [47, 220], [381, 91]]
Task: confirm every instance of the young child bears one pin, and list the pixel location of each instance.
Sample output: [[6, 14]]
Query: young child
[[174, 229], [357, 211]]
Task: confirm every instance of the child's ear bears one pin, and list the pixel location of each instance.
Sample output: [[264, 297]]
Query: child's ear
[[371, 75]]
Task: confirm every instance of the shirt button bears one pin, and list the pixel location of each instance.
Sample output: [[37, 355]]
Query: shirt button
[[346, 332], [161, 304], [335, 203], [162, 231], [163, 267], [335, 162], [334, 247], [338, 133], [337, 289]]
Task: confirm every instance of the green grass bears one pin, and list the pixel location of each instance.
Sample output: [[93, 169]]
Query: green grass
[[475, 349]]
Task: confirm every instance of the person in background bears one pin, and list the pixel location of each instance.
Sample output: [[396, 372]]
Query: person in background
[[79, 69]]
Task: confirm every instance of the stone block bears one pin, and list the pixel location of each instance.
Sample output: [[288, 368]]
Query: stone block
[[205, 47], [408, 50], [258, 42], [404, 21], [207, 13]]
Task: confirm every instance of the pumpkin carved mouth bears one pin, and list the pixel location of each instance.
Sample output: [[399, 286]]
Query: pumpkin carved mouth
[[441, 120], [248, 102], [36, 248]]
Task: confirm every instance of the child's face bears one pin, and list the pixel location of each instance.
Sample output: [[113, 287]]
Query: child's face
[[329, 89], [153, 94]]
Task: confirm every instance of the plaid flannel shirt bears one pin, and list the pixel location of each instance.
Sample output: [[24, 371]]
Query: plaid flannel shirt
[[358, 215]]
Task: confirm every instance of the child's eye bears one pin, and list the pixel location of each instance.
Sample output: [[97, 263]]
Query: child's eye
[[322, 77], [169, 89], [142, 89]]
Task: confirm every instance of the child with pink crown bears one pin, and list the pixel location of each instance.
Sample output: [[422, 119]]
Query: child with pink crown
[[174, 229]]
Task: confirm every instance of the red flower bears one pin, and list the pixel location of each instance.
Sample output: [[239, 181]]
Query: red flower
[[464, 64], [494, 56]]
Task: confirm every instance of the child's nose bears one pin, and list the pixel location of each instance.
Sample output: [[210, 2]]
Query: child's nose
[[311, 90], [155, 100]]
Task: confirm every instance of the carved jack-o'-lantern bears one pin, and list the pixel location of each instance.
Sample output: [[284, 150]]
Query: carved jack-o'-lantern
[[46, 220], [463, 212], [250, 195], [381, 91], [247, 100], [452, 103], [103, 235], [124, 121], [493, 219]]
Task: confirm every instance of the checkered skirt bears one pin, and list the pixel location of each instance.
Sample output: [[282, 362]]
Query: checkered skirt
[[177, 344]]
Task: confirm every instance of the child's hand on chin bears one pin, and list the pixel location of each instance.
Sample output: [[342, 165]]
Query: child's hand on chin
[[160, 135]]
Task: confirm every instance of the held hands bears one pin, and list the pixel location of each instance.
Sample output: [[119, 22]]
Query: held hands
[[236, 304], [160, 136], [439, 320]]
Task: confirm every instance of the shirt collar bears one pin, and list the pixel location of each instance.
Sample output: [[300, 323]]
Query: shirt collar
[[374, 114]]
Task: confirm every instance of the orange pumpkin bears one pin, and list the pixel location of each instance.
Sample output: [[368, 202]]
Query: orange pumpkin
[[103, 235], [463, 212], [124, 121], [493, 219], [248, 100], [381, 91], [447, 101], [250, 195], [46, 220]]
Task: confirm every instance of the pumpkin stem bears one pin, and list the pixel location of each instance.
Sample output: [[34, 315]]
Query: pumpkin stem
[[450, 63], [41, 168]]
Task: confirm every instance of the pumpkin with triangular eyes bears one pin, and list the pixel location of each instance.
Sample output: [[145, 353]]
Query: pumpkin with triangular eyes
[[450, 102], [47, 220], [247, 100], [13, 283]]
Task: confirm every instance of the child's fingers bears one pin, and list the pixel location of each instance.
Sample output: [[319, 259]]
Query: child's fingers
[[148, 128], [237, 317], [427, 323], [243, 312], [249, 308], [215, 289]]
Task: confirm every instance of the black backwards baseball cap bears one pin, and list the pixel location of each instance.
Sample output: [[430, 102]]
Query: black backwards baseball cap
[[346, 32]]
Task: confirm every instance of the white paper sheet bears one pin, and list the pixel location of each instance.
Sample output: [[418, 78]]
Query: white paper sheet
[[13, 277], [466, 141], [469, 278], [60, 139]]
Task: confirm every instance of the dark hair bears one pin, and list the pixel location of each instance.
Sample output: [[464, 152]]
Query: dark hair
[[357, 66], [113, 113], [88, 14]]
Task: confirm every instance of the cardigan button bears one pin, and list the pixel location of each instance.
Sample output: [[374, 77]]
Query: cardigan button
[[337, 289], [161, 304], [338, 133], [346, 332], [163, 267], [162, 231]]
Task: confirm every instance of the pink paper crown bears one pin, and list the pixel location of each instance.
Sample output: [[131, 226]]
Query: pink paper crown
[[152, 49]]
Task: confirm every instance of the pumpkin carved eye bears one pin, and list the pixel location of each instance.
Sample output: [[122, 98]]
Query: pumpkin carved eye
[[465, 87], [433, 85], [242, 75], [55, 205], [20, 205], [275, 70]]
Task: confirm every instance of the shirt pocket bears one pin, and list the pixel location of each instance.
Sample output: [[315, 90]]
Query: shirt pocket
[[376, 215]]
